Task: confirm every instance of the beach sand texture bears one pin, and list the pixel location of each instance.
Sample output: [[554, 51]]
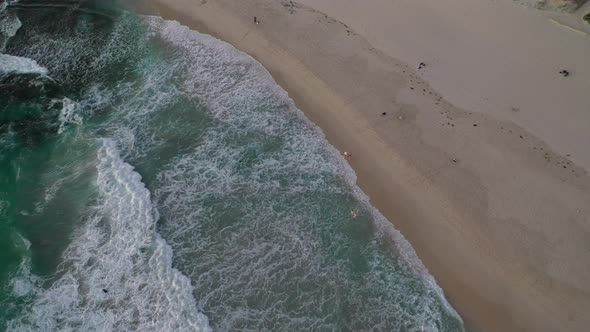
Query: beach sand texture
[[481, 159]]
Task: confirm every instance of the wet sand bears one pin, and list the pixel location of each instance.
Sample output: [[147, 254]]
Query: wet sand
[[487, 191]]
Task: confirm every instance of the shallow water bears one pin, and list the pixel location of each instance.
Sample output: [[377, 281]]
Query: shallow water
[[154, 178]]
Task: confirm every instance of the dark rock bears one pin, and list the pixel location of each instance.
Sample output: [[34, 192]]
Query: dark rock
[[556, 5]]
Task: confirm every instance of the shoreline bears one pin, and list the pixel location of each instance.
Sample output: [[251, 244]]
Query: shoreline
[[429, 167]]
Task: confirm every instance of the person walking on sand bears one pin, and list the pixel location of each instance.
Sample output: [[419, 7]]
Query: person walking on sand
[[256, 21], [347, 155]]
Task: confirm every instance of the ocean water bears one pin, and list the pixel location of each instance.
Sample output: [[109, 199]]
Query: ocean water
[[153, 178]]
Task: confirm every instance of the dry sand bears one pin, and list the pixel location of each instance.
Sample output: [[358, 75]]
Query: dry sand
[[488, 194], [489, 56]]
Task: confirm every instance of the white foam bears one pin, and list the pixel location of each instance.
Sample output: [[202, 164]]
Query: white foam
[[118, 250], [9, 25], [236, 97], [68, 114], [238, 92], [10, 64], [21, 242], [4, 4], [23, 282], [50, 192], [118, 238], [22, 287]]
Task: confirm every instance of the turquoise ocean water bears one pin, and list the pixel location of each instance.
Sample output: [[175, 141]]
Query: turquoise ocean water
[[153, 178]]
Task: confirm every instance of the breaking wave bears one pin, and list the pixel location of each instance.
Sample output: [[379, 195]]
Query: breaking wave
[[116, 275]]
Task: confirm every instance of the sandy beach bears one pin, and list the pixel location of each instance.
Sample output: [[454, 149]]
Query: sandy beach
[[479, 158]]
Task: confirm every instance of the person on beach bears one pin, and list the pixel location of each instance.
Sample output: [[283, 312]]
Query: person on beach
[[564, 72], [421, 65], [256, 21], [347, 155]]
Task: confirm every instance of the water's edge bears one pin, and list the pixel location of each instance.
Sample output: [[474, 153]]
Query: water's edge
[[226, 155]]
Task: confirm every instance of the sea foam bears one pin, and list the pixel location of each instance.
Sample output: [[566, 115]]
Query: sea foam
[[236, 88], [68, 115], [10, 64], [241, 95], [254, 206], [117, 273], [9, 25]]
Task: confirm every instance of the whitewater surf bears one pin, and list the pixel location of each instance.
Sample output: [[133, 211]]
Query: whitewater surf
[[157, 179]]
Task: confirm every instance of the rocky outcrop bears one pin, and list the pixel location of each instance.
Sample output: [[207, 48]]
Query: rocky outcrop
[[561, 5], [557, 5]]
